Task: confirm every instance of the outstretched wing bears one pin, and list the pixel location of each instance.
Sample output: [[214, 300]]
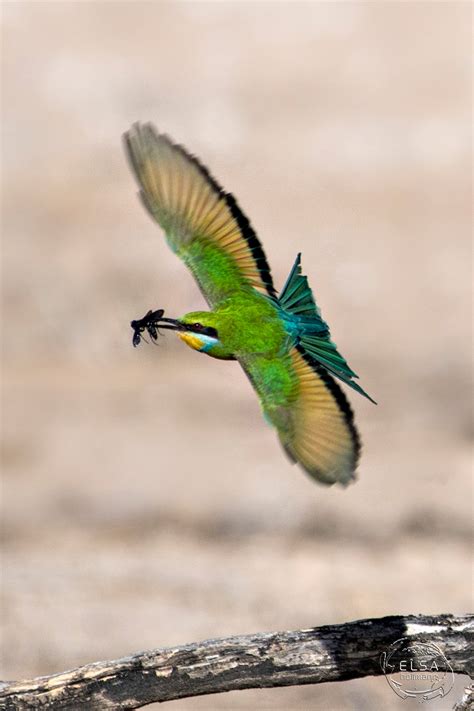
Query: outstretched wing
[[313, 418], [203, 224]]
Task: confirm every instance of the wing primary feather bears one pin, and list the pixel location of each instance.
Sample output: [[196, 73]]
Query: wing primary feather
[[339, 397], [180, 193]]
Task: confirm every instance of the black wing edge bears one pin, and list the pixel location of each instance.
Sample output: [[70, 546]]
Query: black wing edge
[[248, 233], [340, 399]]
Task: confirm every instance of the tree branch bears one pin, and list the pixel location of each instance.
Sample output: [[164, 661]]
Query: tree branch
[[310, 656], [467, 701]]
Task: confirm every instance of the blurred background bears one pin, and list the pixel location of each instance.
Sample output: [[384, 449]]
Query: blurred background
[[145, 502]]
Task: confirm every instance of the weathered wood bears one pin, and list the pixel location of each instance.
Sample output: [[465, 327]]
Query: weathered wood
[[467, 701], [310, 656]]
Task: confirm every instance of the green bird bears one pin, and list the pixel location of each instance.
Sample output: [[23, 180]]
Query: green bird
[[281, 341]]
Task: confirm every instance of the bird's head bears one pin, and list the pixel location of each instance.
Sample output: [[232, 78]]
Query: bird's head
[[198, 329]]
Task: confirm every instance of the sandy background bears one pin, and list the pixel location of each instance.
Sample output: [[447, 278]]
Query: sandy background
[[145, 502]]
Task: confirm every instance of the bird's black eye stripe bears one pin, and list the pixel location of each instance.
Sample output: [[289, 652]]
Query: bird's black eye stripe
[[205, 330]]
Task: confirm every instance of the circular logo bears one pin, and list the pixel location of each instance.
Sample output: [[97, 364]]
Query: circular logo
[[417, 670]]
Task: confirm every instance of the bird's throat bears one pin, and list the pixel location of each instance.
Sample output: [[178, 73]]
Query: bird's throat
[[195, 341]]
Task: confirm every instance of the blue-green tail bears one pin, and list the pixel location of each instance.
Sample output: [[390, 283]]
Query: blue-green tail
[[311, 331]]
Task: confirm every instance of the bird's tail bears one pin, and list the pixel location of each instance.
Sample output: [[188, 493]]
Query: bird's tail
[[312, 332]]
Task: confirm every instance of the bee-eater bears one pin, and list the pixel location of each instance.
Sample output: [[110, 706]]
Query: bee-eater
[[281, 342]]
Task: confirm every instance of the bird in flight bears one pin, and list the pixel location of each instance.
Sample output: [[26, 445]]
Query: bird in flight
[[281, 341]]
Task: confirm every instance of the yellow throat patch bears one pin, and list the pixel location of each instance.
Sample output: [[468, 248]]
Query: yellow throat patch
[[192, 340]]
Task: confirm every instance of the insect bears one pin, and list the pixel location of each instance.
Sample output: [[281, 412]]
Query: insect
[[147, 323]]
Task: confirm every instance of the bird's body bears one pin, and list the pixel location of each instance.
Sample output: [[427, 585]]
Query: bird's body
[[282, 342], [247, 324]]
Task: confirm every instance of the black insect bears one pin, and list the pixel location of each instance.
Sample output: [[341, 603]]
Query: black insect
[[148, 323]]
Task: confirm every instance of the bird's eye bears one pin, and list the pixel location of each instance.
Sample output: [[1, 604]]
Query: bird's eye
[[197, 326]]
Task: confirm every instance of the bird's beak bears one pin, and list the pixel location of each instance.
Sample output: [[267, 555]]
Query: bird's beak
[[171, 323]]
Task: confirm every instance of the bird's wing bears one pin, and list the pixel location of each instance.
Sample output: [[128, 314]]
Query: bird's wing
[[313, 417], [203, 224]]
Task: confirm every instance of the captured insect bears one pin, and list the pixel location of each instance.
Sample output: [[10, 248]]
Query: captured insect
[[148, 323]]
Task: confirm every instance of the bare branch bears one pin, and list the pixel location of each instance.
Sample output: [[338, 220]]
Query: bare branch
[[310, 656], [467, 701]]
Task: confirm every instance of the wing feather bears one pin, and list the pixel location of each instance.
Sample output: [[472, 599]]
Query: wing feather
[[203, 224], [313, 418]]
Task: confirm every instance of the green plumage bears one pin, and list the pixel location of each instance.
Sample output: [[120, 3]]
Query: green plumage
[[282, 342]]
